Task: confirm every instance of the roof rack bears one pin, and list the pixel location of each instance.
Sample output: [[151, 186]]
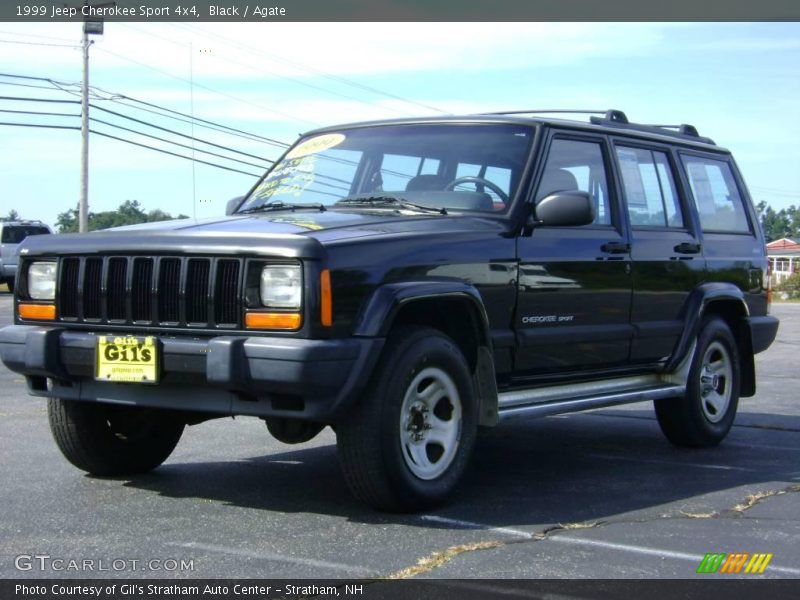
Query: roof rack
[[617, 118], [683, 129], [537, 111]]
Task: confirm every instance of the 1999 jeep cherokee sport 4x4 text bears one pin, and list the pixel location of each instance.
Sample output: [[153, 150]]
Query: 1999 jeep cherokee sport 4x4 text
[[408, 282]]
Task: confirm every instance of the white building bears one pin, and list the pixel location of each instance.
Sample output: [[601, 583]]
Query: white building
[[784, 259]]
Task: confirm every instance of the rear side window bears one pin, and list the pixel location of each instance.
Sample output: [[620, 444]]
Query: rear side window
[[14, 234], [649, 188], [577, 165], [715, 194]]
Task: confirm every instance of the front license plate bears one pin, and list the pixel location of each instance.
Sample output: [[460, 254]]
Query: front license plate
[[127, 359]]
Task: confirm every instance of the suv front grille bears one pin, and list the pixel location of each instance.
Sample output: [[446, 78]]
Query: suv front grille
[[151, 291]]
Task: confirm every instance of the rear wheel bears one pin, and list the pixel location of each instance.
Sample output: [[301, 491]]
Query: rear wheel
[[409, 440], [104, 439], [705, 414]]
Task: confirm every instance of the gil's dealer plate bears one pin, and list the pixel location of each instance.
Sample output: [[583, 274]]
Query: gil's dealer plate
[[126, 359]]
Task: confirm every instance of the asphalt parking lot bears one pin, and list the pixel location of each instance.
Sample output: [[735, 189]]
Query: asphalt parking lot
[[594, 495]]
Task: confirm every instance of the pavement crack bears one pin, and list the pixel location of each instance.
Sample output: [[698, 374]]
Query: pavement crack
[[753, 499], [699, 515], [584, 525], [439, 558]]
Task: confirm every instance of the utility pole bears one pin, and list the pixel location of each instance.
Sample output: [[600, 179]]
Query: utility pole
[[91, 26], [83, 204]]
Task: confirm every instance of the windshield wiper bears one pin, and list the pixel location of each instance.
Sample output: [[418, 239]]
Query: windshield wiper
[[279, 205], [392, 200]]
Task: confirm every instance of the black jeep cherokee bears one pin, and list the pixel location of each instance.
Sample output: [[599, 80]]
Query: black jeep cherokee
[[407, 282]]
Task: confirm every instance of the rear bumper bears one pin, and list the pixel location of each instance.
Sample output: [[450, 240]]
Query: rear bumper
[[231, 375], [762, 331]]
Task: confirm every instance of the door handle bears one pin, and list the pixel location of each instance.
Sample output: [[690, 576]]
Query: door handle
[[616, 247], [688, 248]]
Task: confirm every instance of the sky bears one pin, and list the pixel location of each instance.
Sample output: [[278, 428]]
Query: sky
[[738, 83]]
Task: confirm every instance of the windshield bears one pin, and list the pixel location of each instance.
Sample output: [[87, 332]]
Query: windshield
[[450, 166]]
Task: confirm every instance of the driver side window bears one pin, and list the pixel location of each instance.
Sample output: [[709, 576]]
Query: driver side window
[[577, 165]]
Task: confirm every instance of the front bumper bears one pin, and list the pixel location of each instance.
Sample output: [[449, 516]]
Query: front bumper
[[229, 375]]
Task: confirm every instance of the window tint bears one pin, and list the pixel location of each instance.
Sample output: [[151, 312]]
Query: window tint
[[415, 162], [649, 188], [574, 165], [14, 234], [716, 195], [499, 176], [396, 171]]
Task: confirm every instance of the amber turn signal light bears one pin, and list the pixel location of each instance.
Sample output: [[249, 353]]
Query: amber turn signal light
[[326, 301], [43, 312], [266, 320]]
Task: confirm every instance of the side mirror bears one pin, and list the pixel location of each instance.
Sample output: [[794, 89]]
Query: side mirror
[[565, 209], [233, 204]]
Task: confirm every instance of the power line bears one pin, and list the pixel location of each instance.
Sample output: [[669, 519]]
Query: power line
[[116, 97], [33, 35], [38, 44], [127, 141], [180, 134], [40, 113], [271, 73], [170, 131], [155, 137], [39, 125], [28, 99], [257, 137], [32, 112], [27, 85], [113, 137], [212, 90], [297, 65], [213, 127]]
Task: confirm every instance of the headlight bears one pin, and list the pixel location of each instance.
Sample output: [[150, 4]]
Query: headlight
[[42, 281], [281, 286]]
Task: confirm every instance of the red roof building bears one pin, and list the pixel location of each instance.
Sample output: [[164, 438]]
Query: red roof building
[[784, 258]]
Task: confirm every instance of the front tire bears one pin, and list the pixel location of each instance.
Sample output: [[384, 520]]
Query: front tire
[[109, 440], [704, 415], [409, 439]]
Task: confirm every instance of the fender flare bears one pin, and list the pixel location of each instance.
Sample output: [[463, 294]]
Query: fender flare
[[379, 312], [696, 307], [375, 319]]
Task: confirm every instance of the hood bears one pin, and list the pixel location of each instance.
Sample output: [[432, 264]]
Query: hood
[[282, 222], [301, 233]]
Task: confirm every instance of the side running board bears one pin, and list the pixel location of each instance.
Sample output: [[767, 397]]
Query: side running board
[[552, 400]]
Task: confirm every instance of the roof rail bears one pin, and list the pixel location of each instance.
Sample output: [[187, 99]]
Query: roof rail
[[683, 129], [617, 118], [680, 131], [610, 114]]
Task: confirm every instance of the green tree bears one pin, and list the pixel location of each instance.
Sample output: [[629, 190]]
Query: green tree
[[784, 223], [129, 212], [790, 286], [12, 216]]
